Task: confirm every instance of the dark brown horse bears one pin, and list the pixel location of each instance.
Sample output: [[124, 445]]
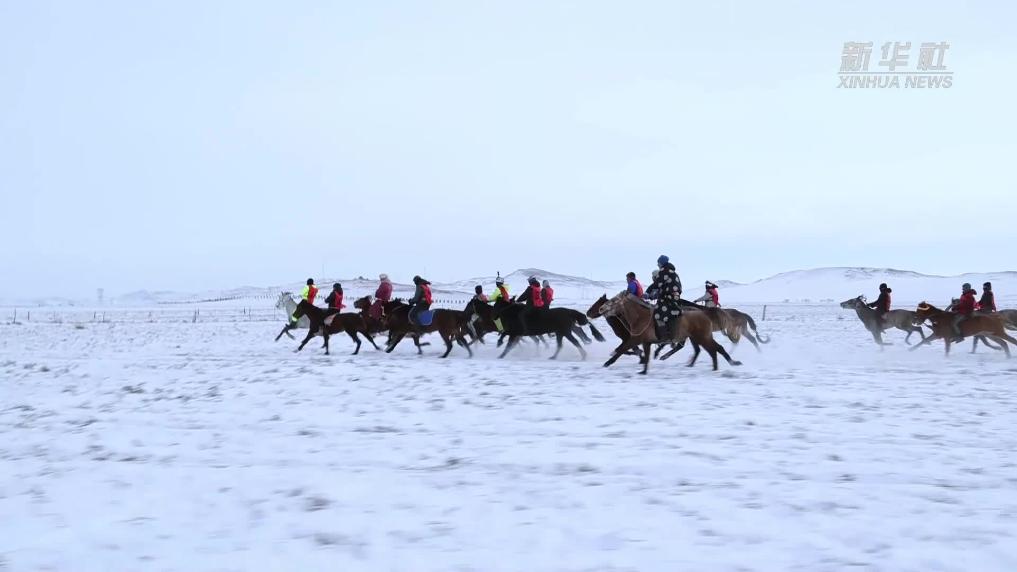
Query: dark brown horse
[[450, 325], [519, 321], [636, 319], [328, 322], [991, 326]]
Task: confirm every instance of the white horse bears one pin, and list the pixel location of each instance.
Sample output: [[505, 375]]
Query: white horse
[[287, 303]]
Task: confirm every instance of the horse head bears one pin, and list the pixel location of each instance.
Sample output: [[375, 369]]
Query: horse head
[[362, 304], [853, 303], [280, 304], [925, 311], [597, 308]]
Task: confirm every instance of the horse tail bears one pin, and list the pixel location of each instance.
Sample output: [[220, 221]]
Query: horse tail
[[759, 337], [596, 333]]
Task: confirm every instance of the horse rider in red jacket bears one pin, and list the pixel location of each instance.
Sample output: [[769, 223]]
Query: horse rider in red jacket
[[335, 297], [547, 294], [381, 296], [963, 310], [988, 301]]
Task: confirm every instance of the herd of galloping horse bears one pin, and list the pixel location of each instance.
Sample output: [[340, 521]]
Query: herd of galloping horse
[[980, 326], [630, 318]]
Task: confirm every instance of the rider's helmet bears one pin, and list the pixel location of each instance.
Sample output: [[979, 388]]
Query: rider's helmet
[[310, 281], [662, 260], [499, 281]]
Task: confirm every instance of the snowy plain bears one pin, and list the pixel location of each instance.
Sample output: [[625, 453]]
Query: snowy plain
[[206, 446]]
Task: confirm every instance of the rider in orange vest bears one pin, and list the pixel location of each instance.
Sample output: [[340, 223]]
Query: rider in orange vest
[[335, 297], [533, 297], [547, 294], [634, 287]]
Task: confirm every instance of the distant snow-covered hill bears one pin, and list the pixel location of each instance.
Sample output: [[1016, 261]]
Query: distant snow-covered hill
[[841, 283], [815, 285]]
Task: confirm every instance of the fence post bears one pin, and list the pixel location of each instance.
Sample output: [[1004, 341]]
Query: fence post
[[195, 316], [15, 320], [29, 317], [764, 312]]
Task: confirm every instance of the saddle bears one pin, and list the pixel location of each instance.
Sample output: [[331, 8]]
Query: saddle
[[330, 318], [424, 318]]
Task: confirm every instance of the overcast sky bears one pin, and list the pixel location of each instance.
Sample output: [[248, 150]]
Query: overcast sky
[[190, 145]]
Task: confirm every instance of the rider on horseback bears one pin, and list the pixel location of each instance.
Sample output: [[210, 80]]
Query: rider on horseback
[[963, 310], [988, 301], [478, 294], [711, 299], [382, 296], [421, 300], [308, 293], [668, 289], [882, 304], [633, 287], [547, 294], [500, 290], [335, 297], [533, 298]]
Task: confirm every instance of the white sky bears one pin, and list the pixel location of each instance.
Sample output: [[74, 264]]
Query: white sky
[[189, 145]]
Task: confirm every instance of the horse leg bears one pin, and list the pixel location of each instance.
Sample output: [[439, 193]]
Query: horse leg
[[930, 338], [974, 343], [352, 333], [558, 338], [310, 334], [674, 349], [949, 341], [646, 358], [723, 352], [581, 335], [621, 350], [392, 343], [462, 341], [445, 337], [370, 338], [513, 340], [712, 350], [751, 339], [575, 342], [656, 353], [285, 330], [695, 356]]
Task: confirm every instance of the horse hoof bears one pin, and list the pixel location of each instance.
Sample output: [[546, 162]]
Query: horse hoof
[[642, 373], [736, 363]]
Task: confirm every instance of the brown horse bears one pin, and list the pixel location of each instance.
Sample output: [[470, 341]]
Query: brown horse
[[450, 325], [991, 326], [636, 319], [328, 322], [732, 323]]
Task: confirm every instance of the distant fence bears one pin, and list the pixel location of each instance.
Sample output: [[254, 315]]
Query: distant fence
[[72, 316], [164, 314]]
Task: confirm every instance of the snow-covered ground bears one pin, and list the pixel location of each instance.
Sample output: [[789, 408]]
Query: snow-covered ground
[[206, 446]]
